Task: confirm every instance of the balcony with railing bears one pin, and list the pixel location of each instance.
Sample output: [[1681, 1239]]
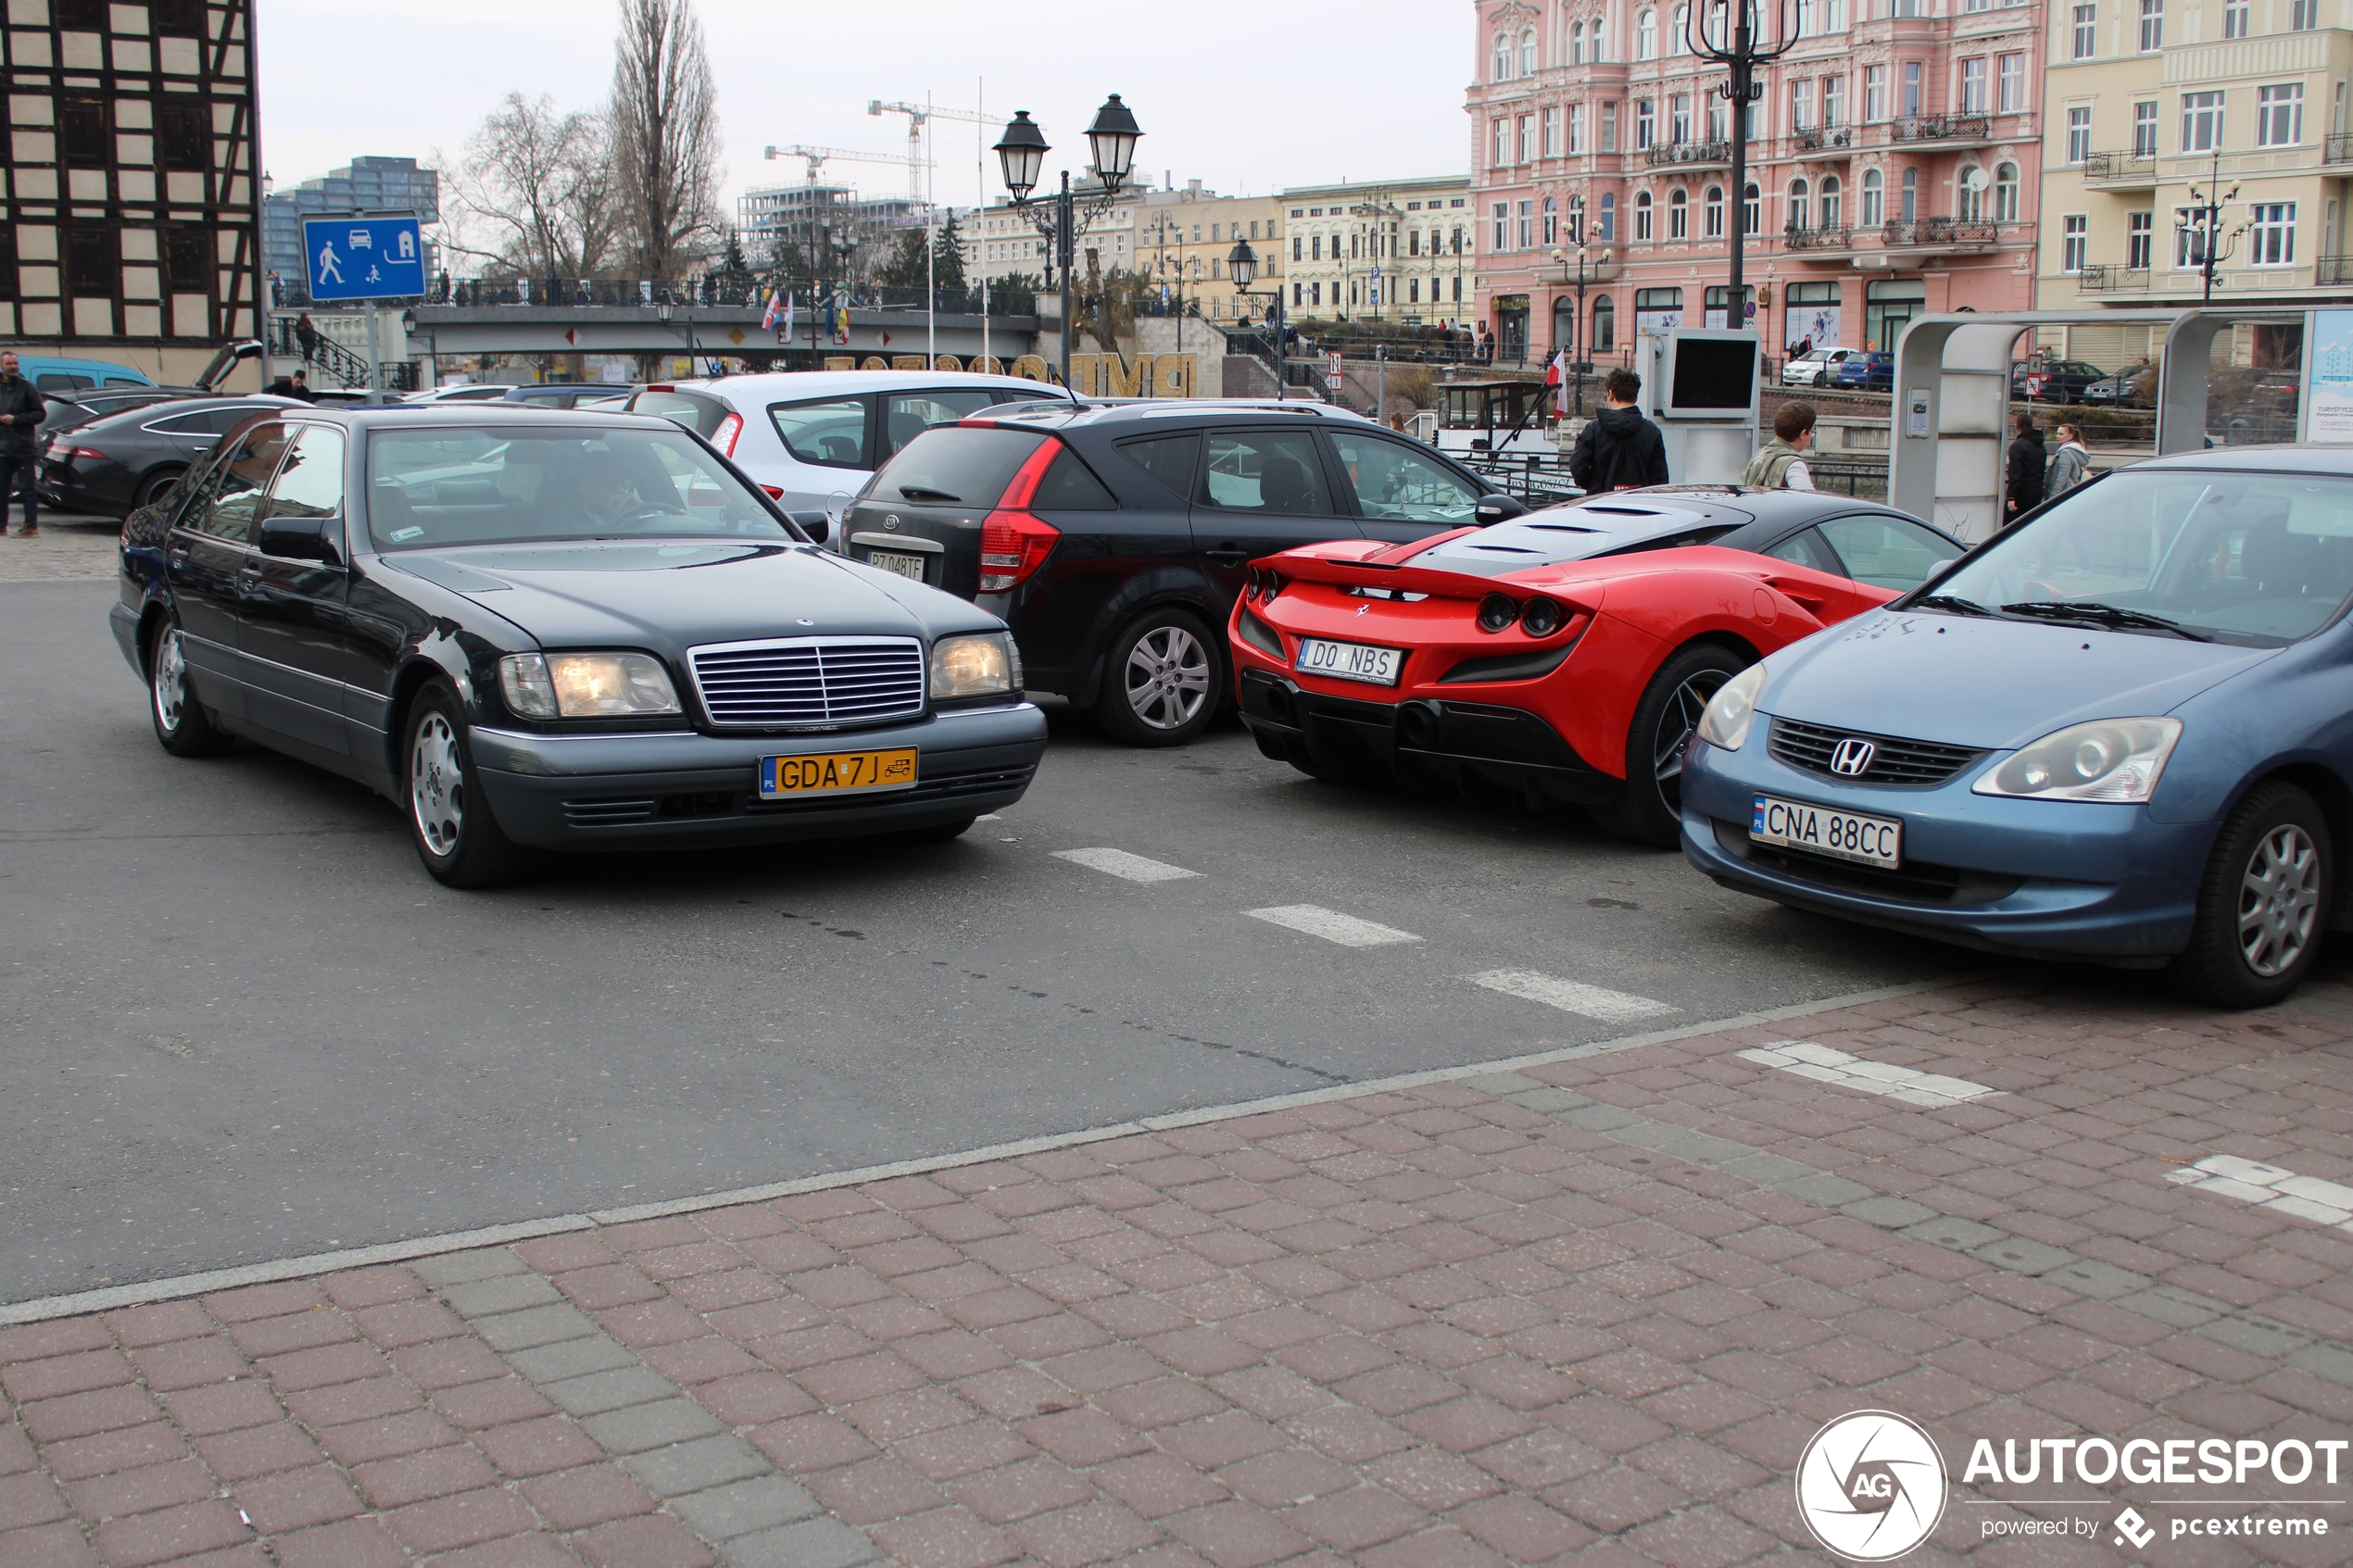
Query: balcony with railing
[[2121, 171], [1685, 155], [2105, 278], [1823, 138], [1961, 127], [1797, 237], [2337, 147], [2329, 270], [1940, 234]]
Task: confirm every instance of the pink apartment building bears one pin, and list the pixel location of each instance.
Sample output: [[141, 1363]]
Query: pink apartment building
[[1893, 170]]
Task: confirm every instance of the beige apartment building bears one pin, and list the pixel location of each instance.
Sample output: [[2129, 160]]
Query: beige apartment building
[[1183, 236], [2153, 108], [1381, 250]]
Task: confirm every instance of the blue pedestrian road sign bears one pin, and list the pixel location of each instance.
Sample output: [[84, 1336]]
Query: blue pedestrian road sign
[[364, 258]]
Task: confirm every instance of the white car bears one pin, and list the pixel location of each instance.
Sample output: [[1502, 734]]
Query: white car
[[812, 438], [1818, 368], [469, 392]]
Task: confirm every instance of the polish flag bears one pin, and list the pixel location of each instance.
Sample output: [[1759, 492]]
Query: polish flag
[[1557, 371]]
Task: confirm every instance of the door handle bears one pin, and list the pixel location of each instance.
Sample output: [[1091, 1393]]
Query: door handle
[[1226, 555]]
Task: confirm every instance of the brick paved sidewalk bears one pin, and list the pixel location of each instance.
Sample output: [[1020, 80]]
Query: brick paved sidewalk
[[1588, 1312], [71, 548]]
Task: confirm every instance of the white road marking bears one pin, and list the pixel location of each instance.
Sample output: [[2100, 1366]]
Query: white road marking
[[1571, 995], [2271, 1186], [991, 817], [1929, 1090], [1330, 924], [1119, 862]]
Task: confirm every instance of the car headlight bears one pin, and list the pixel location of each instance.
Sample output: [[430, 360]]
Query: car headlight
[[586, 685], [985, 664], [1725, 721], [2110, 759]]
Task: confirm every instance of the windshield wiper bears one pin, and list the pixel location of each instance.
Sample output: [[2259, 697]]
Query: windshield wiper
[[1954, 603], [2111, 616], [926, 493]]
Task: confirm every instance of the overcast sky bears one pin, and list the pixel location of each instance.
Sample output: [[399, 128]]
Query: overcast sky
[[1246, 96]]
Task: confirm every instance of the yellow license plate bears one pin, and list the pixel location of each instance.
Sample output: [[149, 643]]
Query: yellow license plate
[[836, 772]]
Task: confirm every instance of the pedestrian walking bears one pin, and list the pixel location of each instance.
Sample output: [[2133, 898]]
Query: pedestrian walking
[[20, 412], [1618, 449], [2025, 489], [307, 336], [2070, 465], [1780, 464]]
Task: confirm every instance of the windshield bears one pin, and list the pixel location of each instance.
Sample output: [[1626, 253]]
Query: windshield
[[432, 488], [2258, 559]]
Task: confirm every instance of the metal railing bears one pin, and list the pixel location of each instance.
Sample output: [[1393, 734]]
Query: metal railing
[[2111, 167], [1938, 231], [1669, 155], [2337, 147], [348, 367], [1941, 127], [1537, 477], [713, 293], [2333, 269], [1798, 238], [1866, 482], [1821, 138], [2104, 278]]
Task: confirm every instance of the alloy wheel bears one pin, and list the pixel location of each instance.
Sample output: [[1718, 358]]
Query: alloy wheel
[[1676, 722], [437, 785], [170, 681], [1167, 677], [2278, 900]]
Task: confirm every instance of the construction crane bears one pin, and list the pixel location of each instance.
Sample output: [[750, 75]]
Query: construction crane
[[819, 157], [917, 114]]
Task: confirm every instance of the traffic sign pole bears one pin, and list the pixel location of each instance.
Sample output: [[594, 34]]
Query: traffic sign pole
[[365, 260]]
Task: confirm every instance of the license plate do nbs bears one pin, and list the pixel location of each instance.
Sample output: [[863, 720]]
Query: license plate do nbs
[[1350, 661]]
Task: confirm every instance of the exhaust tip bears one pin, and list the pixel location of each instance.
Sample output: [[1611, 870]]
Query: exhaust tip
[[1279, 704], [1417, 725]]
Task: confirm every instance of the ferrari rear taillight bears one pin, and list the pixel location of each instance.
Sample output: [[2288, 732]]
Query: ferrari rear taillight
[[724, 436], [1012, 545], [1497, 612], [1543, 617]]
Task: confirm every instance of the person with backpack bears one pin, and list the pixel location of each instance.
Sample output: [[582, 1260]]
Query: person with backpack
[[2070, 465], [1781, 463], [2024, 491], [1618, 449]]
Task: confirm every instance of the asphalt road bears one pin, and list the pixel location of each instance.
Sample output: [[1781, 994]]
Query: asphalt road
[[239, 1022]]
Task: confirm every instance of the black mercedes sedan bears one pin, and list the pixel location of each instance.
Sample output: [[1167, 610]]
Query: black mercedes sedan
[[560, 631]]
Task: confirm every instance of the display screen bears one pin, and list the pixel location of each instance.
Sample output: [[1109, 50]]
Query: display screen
[[1714, 373]]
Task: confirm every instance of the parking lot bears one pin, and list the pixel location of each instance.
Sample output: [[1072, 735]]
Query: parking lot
[[1195, 1160]]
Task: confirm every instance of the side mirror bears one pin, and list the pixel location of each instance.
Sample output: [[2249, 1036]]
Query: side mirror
[[1497, 508], [302, 538]]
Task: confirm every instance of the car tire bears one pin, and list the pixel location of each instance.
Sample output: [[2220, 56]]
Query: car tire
[[2264, 905], [1162, 677], [152, 488], [1648, 807], [181, 723], [449, 821], [938, 833]]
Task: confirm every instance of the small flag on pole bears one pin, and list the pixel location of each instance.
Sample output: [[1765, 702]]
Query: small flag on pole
[[1557, 373], [788, 315], [768, 318]]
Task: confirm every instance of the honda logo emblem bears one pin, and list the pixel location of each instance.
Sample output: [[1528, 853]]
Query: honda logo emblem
[[1852, 759]]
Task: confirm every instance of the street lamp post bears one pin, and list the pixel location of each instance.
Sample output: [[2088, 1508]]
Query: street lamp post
[[1741, 54], [1022, 153], [662, 314], [1579, 336], [1242, 263], [2207, 224]]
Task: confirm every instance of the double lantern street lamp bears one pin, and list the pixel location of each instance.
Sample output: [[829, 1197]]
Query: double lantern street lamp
[[1022, 153]]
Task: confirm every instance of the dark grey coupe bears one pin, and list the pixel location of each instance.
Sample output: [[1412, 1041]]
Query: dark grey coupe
[[560, 631]]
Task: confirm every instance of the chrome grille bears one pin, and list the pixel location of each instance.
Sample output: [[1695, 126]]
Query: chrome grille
[[800, 681], [1919, 764]]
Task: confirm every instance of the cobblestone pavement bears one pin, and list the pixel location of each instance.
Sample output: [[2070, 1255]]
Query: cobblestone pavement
[[1588, 1309], [70, 549]]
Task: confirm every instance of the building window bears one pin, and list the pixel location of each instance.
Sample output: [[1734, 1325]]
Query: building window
[[2006, 193], [1528, 225], [1643, 216], [1833, 102], [1911, 195], [1679, 118], [2189, 237], [1609, 216], [1553, 132], [1413, 291], [2079, 134], [2086, 31], [1577, 232], [2144, 129], [1295, 243], [1752, 209], [2011, 90], [1911, 88], [82, 139], [90, 263], [2279, 115], [1834, 15], [1712, 220], [1679, 215], [1874, 199], [1605, 326], [2303, 16], [1576, 128], [1801, 204], [2235, 15], [1527, 53], [1527, 138], [1833, 212], [2201, 122], [1609, 127], [2272, 235], [1315, 248], [1645, 123], [1552, 222], [1874, 93], [2140, 240], [1973, 85], [2152, 25], [1502, 57], [2073, 241], [1503, 143], [1968, 195], [1809, 22], [1801, 105], [1577, 42], [1680, 42], [1646, 37], [1977, 6]]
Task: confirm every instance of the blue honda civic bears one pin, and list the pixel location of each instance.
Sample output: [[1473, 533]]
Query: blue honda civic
[[2121, 730]]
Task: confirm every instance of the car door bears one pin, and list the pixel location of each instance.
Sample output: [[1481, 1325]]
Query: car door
[[294, 630], [205, 556], [1260, 491], [828, 451], [1400, 491], [1878, 550]]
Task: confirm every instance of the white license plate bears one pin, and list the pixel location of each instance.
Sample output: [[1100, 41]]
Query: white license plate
[[1846, 835], [909, 566], [1350, 661]]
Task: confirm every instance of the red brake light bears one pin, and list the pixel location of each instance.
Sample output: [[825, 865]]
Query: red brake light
[[1012, 545], [775, 492], [660, 386], [724, 436], [90, 452]]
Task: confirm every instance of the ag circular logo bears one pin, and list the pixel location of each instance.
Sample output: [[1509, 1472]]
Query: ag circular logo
[[1871, 1486]]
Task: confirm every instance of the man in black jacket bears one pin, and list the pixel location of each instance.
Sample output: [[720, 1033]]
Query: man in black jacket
[[1619, 450], [2024, 492], [20, 412]]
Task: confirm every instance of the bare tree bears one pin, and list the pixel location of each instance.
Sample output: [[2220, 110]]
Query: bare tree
[[665, 133], [534, 192]]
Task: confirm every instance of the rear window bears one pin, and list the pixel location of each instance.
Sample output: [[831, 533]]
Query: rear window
[[700, 415], [956, 465], [1071, 487]]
